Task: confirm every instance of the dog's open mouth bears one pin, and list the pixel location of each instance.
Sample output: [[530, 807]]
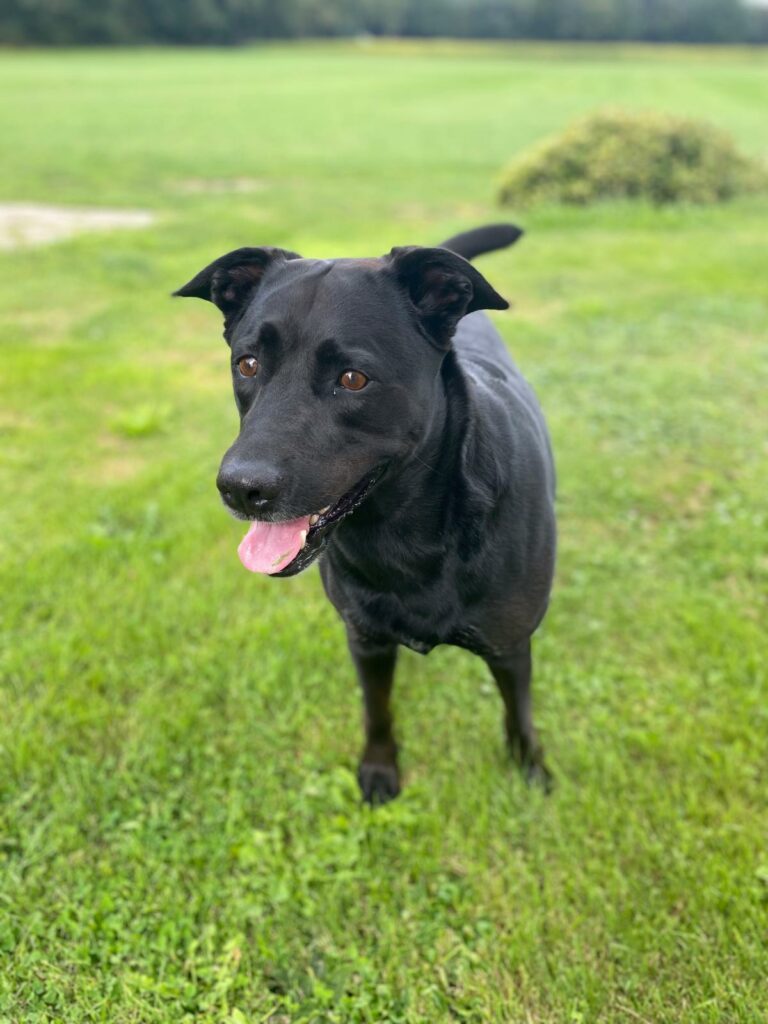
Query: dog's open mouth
[[284, 549]]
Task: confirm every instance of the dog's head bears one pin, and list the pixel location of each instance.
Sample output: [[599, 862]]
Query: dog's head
[[335, 365]]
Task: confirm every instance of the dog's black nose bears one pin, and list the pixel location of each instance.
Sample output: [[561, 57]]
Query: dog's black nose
[[250, 488]]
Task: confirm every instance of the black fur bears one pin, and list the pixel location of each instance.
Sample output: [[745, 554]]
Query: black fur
[[446, 530]]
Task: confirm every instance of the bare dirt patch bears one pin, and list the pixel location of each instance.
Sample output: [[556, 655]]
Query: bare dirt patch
[[23, 224], [219, 186]]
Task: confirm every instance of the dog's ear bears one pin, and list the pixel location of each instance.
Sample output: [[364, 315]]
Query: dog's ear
[[443, 287], [231, 279]]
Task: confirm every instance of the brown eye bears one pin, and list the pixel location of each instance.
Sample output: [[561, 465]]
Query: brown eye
[[248, 366], [353, 380]]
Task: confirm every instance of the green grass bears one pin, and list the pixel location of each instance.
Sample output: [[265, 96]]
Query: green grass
[[180, 832]]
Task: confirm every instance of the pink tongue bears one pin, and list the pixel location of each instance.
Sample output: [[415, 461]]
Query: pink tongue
[[269, 547]]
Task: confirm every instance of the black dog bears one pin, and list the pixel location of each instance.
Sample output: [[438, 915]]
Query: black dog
[[380, 428]]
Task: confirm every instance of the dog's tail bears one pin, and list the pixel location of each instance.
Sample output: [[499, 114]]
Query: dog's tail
[[474, 243]]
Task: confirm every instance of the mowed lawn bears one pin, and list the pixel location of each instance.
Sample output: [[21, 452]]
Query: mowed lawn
[[180, 832]]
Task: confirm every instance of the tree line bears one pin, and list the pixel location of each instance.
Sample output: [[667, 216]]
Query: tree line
[[228, 22]]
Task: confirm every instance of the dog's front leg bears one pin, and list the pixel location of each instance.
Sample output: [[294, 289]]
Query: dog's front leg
[[377, 773], [512, 673]]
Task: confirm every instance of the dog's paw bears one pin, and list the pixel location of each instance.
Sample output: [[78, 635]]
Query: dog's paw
[[379, 783], [537, 774], [530, 761]]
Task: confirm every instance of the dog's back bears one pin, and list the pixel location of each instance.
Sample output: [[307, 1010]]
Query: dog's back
[[485, 359]]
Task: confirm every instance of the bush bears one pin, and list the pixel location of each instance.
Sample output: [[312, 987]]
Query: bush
[[617, 154]]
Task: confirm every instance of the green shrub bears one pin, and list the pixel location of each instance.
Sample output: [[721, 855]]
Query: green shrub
[[618, 154]]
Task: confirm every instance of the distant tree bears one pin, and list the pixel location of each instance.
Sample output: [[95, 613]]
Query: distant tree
[[199, 22]]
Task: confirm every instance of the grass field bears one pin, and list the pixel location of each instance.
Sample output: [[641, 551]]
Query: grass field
[[180, 832]]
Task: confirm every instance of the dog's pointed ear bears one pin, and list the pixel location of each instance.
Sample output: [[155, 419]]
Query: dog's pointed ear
[[230, 280], [443, 287]]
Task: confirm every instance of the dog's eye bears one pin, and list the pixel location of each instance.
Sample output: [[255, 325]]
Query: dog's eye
[[248, 366], [353, 380]]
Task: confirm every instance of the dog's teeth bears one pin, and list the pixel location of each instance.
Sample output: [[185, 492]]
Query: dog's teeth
[[313, 519], [303, 538], [324, 510]]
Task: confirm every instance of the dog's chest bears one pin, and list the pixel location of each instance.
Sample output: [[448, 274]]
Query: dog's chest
[[385, 618], [410, 631], [399, 584], [419, 618]]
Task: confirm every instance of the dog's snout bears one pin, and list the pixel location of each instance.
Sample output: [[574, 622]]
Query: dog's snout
[[251, 489]]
